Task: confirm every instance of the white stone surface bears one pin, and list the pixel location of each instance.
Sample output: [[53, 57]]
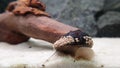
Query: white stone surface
[[107, 55]]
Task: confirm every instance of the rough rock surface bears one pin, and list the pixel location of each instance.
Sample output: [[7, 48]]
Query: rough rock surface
[[109, 24], [79, 13], [84, 14]]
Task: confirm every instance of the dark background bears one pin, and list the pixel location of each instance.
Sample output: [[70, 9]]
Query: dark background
[[99, 18]]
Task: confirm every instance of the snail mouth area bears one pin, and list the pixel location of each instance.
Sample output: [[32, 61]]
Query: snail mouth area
[[76, 52], [68, 50]]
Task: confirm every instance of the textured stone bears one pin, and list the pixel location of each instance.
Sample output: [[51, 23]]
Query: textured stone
[[112, 5], [109, 18], [78, 13], [109, 31], [109, 25]]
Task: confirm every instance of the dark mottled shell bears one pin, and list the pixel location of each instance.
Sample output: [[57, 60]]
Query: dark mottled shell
[[78, 34]]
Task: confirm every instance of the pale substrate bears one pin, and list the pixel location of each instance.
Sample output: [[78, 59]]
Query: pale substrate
[[33, 54]]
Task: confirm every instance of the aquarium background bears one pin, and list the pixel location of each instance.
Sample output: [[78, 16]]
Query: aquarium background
[[99, 18]]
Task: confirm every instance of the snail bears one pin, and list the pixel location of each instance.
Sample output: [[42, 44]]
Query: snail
[[77, 44]]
